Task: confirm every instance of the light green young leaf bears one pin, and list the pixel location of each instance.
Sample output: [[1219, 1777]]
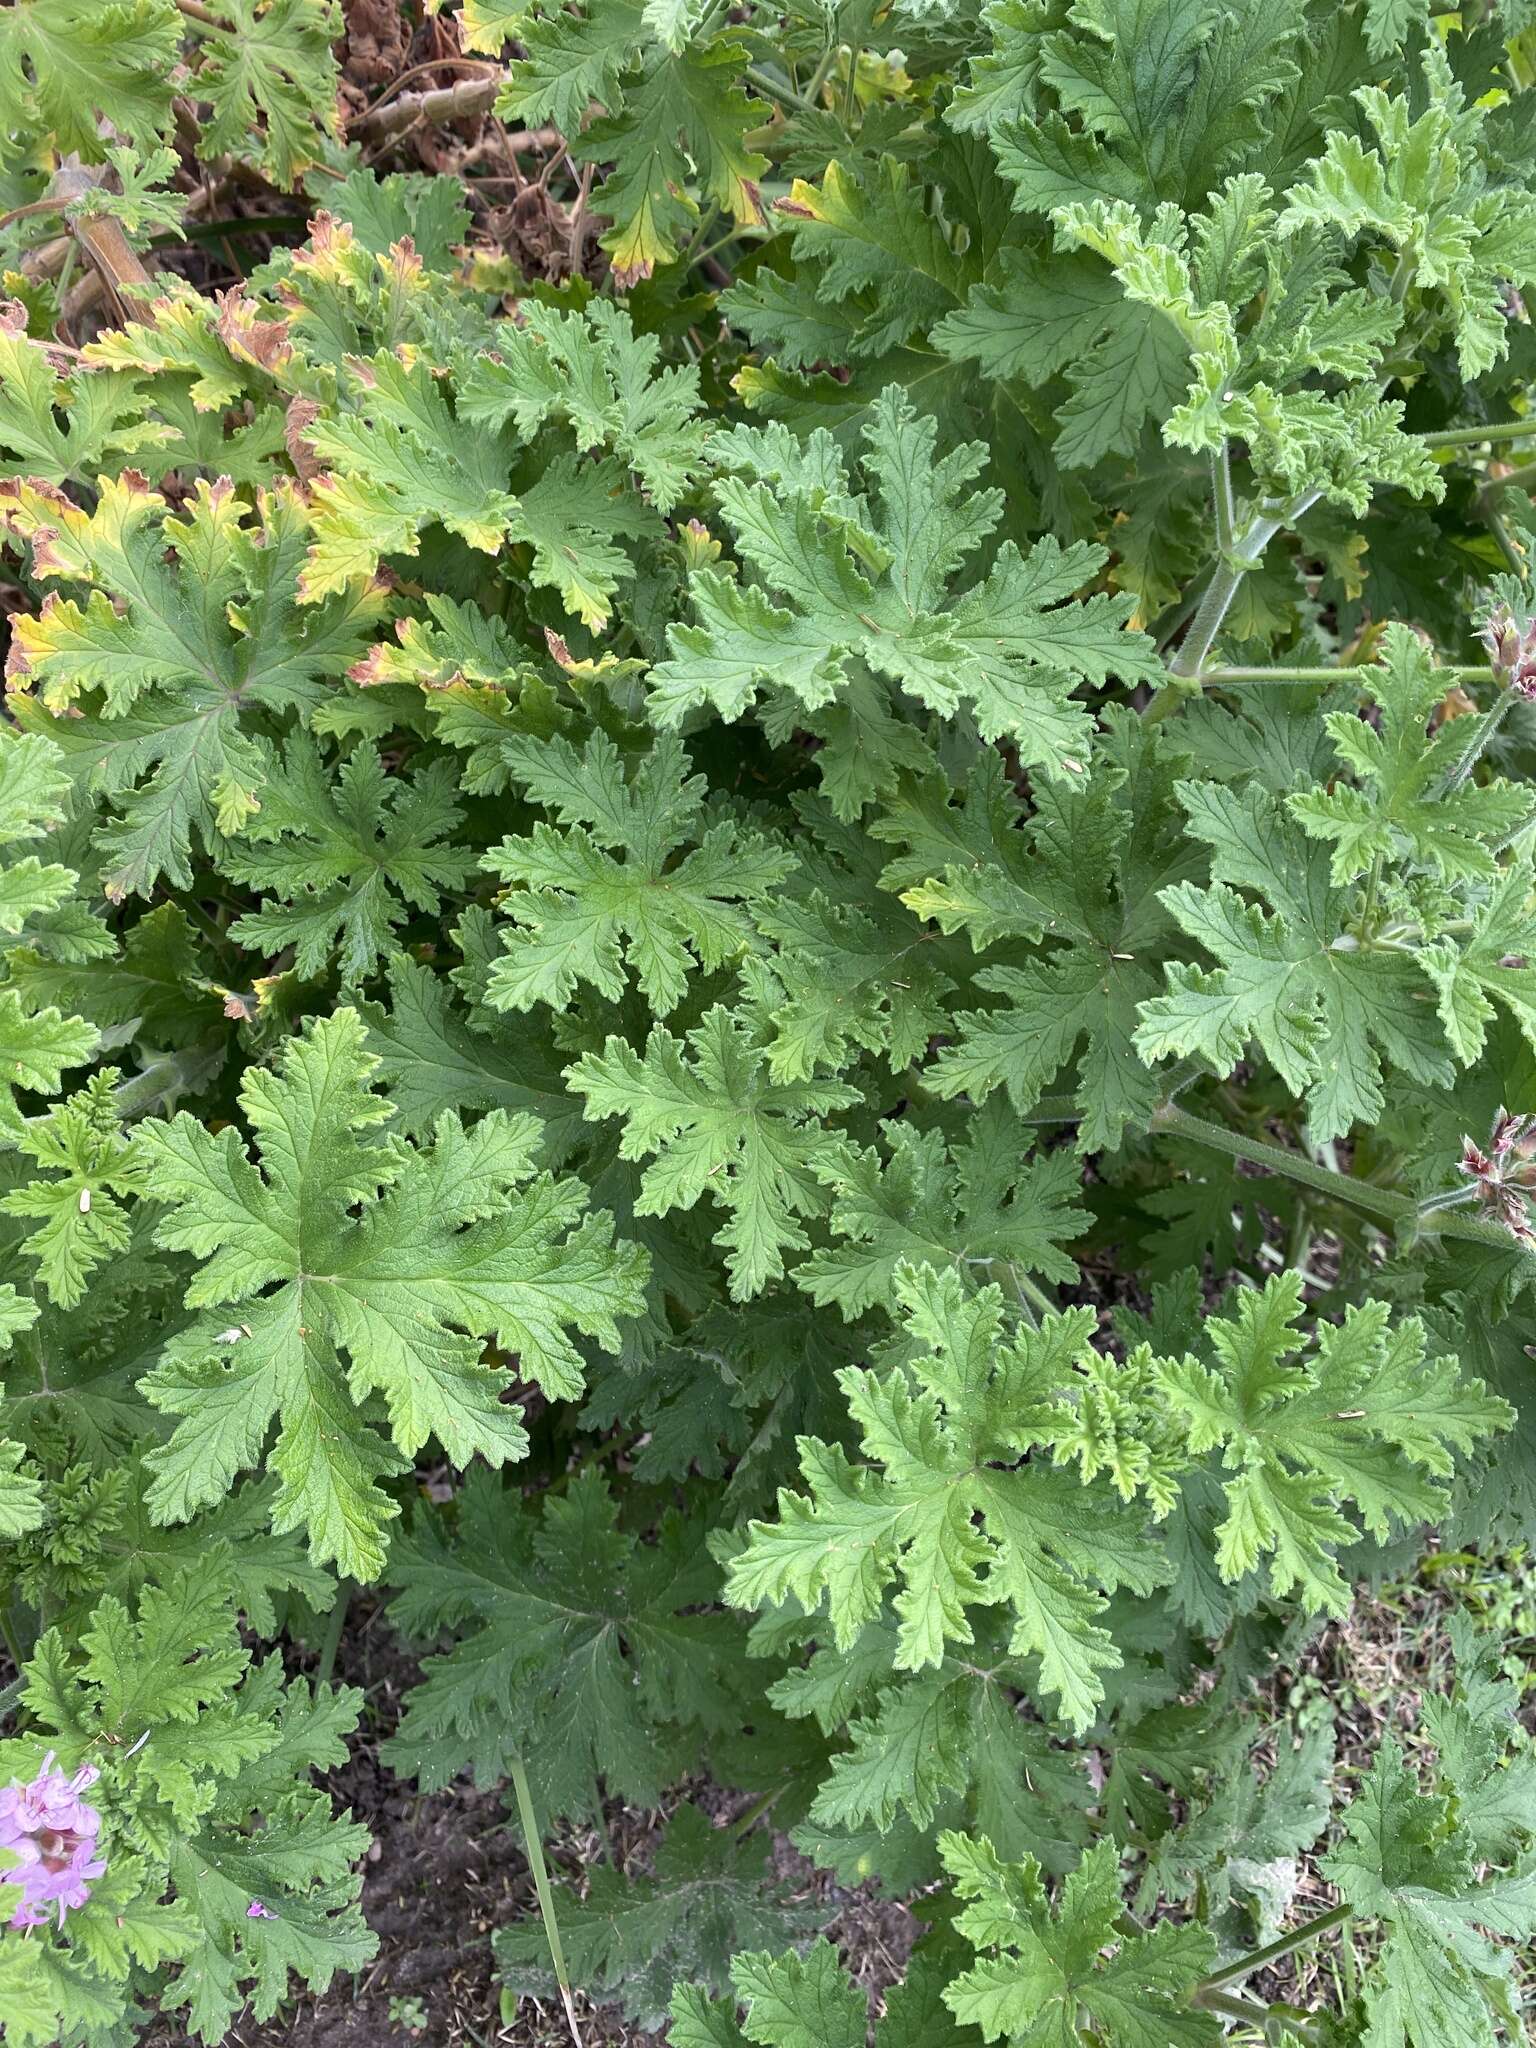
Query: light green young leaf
[[1365, 1421], [1326, 1015], [1405, 803], [944, 1506], [1037, 1972], [88, 1173]]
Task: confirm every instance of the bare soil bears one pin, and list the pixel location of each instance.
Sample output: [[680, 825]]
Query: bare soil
[[445, 1870]]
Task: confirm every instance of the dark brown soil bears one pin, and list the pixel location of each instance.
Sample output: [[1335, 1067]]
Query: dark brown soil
[[446, 1870]]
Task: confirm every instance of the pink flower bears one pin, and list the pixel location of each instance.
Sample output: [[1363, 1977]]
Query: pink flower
[[257, 1911], [52, 1834]]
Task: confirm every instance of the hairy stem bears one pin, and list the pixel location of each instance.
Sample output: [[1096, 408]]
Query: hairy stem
[[1395, 1212], [1473, 437], [1260, 1958], [1232, 565], [546, 1897], [335, 1623], [1484, 727], [1219, 678], [1253, 2015], [1221, 495], [1206, 624]]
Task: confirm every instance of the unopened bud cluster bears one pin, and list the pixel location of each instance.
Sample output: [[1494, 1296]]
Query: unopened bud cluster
[[1511, 645], [1503, 1173]]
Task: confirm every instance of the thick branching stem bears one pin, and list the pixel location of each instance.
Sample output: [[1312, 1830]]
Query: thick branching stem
[[117, 267], [1259, 2016], [1234, 562], [1236, 555], [462, 102]]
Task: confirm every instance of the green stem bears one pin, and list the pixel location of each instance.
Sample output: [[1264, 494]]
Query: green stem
[[1484, 728], [1380, 1203], [336, 1621], [1252, 2015], [1260, 1958], [1368, 907], [819, 75], [1501, 534], [706, 224], [1232, 565], [1035, 1296], [1053, 1109], [1206, 624], [1521, 479], [756, 1810], [1385, 1206], [1221, 496], [1168, 622], [12, 1647], [1219, 678], [1472, 437], [851, 90], [546, 1897], [771, 89]]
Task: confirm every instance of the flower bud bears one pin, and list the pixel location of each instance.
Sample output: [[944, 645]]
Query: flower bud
[[1511, 645]]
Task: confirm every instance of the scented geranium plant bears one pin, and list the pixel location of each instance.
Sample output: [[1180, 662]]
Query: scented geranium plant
[[768, 969]]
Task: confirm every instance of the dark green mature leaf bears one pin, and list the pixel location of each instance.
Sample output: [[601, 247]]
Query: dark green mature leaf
[[579, 1650], [611, 886], [1419, 1862], [345, 858], [632, 1939], [984, 1206], [1089, 872]]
